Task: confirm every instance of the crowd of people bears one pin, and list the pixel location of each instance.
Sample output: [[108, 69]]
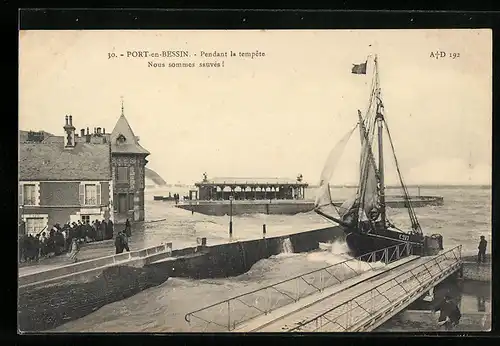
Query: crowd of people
[[59, 240]]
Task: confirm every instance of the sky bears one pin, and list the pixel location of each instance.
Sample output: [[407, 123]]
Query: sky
[[275, 115]]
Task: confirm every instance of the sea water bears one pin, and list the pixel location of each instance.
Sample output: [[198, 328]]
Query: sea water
[[464, 217]]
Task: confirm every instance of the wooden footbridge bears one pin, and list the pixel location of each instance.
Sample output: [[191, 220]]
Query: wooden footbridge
[[355, 295]]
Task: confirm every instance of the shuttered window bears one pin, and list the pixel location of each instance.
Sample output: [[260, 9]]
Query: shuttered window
[[90, 194], [122, 174], [29, 193]]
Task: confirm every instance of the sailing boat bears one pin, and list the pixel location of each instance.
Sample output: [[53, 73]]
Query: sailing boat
[[364, 216]]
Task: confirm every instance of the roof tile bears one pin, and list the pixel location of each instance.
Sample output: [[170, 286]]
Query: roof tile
[[50, 161]]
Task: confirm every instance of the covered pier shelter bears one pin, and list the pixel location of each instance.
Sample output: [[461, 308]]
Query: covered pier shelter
[[222, 188]]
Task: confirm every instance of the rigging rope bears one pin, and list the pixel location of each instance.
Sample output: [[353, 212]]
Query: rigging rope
[[411, 212]]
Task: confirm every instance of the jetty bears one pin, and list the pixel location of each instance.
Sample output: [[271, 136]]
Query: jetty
[[287, 207], [321, 301]]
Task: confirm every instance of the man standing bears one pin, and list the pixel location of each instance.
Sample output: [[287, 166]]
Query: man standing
[[109, 230], [119, 243], [481, 256]]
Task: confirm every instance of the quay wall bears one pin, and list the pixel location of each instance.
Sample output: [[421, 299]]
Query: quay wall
[[283, 207], [83, 288], [476, 272], [238, 257]]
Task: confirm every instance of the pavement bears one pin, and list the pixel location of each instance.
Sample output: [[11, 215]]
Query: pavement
[[166, 223]]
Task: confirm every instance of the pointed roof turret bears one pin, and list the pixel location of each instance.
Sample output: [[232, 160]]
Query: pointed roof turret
[[123, 139]]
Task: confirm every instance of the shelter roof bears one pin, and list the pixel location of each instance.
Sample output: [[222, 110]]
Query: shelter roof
[[250, 181]]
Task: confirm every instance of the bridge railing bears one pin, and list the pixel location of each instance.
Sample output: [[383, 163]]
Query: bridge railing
[[230, 313], [368, 307]]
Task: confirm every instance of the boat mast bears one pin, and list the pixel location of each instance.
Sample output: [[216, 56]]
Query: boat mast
[[380, 122]]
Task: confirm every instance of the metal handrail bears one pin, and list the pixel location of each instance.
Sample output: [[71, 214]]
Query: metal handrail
[[386, 256], [424, 268]]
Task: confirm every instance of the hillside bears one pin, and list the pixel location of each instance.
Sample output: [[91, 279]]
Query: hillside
[[155, 177]]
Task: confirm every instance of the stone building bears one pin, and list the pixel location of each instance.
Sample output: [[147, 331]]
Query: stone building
[[128, 162], [63, 179], [84, 176]]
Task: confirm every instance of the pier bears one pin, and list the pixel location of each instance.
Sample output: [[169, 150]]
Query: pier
[[321, 301], [286, 207]]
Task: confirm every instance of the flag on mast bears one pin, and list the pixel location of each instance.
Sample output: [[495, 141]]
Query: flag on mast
[[359, 68]]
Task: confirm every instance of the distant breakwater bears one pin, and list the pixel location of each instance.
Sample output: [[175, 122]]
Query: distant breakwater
[[46, 306], [288, 207]]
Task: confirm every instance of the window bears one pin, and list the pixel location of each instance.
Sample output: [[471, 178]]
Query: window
[[121, 139], [29, 193], [90, 194], [122, 174], [35, 225], [85, 218]]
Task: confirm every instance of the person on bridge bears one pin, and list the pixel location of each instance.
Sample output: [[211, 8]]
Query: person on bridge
[[449, 313], [481, 256]]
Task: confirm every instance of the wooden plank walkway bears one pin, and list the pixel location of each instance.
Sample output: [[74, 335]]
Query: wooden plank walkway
[[363, 306]]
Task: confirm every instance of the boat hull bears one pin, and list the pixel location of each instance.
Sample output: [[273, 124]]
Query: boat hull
[[360, 243]]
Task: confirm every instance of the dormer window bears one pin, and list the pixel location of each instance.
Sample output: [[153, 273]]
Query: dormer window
[[121, 139]]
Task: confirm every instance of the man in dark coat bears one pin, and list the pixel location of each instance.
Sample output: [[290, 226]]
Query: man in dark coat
[[125, 241], [128, 228], [119, 243], [481, 256], [101, 234], [449, 313], [109, 229]]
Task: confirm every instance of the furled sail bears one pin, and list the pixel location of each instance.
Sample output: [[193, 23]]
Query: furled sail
[[368, 182]]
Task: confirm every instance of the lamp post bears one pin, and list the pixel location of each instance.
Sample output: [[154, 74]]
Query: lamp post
[[231, 216]]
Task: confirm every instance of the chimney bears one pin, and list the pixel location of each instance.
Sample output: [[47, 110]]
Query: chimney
[[70, 136], [103, 131], [98, 130], [82, 131], [88, 131]]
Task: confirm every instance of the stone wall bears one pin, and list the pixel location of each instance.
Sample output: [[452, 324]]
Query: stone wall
[[46, 306], [476, 271], [220, 209], [236, 258]]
